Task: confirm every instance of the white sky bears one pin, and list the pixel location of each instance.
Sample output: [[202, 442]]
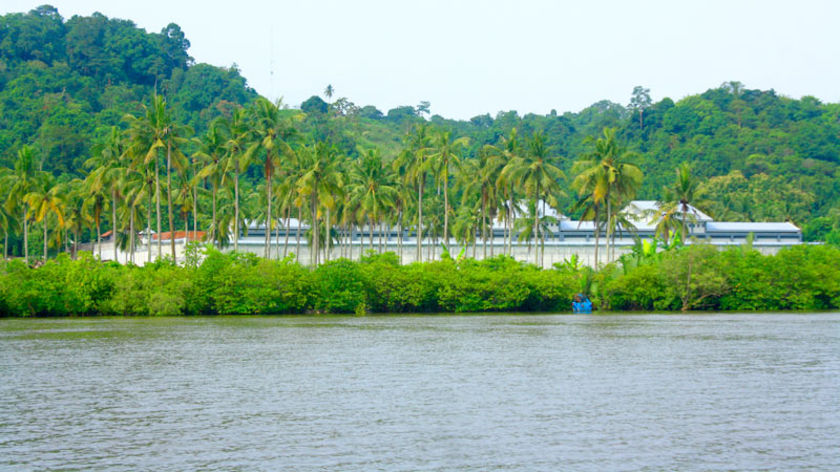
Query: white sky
[[474, 57]]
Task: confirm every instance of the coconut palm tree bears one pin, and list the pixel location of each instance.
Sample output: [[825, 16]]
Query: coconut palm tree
[[320, 182], [7, 219], [76, 215], [211, 159], [271, 133], [414, 163], [678, 207], [95, 201], [507, 150], [605, 180], [447, 152], [20, 182], [148, 136], [45, 198], [236, 161], [107, 165], [372, 188], [534, 171], [480, 177]]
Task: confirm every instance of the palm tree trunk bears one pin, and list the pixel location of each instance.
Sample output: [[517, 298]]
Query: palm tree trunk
[[400, 237], [597, 239], [236, 205], [446, 207], [131, 234], [536, 228], [114, 221], [149, 233], [483, 226], [157, 204], [286, 242], [327, 237], [277, 225], [300, 220], [491, 219], [420, 219], [99, 238], [195, 212], [609, 225], [268, 195], [370, 229], [25, 235], [215, 235], [58, 248], [313, 249], [169, 198]]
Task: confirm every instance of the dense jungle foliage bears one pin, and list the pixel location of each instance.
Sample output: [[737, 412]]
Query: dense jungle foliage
[[78, 90], [693, 277]]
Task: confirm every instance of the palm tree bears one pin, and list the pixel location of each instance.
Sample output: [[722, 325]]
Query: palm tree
[[605, 180], [20, 183], [95, 201], [447, 151], [107, 166], [155, 131], [77, 215], [45, 198], [320, 181], [135, 186], [211, 157], [7, 219], [679, 205], [271, 132], [507, 150], [236, 161], [413, 164], [540, 178], [481, 177], [372, 188]]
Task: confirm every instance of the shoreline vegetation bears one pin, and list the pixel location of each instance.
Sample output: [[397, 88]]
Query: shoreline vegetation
[[686, 278]]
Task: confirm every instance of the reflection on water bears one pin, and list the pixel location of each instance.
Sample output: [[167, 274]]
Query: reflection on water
[[700, 392]]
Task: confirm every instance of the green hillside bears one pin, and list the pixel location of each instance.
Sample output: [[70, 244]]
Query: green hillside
[[70, 87]]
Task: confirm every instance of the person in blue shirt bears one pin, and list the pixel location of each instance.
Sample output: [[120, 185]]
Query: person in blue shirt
[[586, 306], [581, 304]]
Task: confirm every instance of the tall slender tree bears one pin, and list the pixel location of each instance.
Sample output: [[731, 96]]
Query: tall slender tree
[[22, 180], [271, 133], [320, 182], [535, 171], [447, 152], [414, 164]]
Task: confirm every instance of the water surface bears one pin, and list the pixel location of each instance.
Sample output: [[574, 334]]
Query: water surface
[[628, 392]]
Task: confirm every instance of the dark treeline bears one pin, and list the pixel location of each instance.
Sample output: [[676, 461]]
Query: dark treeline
[[85, 99], [694, 277]]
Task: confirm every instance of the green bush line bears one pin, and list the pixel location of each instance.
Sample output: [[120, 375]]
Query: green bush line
[[695, 277]]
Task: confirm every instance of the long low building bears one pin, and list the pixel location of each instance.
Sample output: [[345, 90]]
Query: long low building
[[564, 239]]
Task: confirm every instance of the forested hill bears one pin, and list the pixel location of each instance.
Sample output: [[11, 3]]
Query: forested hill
[[63, 82], [762, 156]]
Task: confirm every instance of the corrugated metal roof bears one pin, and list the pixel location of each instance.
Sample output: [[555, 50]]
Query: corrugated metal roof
[[649, 208], [748, 227]]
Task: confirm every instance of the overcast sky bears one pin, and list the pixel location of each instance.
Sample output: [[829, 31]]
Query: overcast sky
[[474, 57]]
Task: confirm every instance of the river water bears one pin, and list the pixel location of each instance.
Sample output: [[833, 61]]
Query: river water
[[626, 392]]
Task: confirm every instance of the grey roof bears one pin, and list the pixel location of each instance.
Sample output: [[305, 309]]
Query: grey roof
[[747, 227], [648, 208]]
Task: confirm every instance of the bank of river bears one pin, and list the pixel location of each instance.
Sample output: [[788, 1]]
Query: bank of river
[[612, 392]]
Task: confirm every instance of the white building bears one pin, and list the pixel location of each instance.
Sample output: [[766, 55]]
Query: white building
[[566, 238]]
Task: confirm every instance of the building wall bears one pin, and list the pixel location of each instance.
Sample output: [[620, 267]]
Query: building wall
[[554, 253]]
